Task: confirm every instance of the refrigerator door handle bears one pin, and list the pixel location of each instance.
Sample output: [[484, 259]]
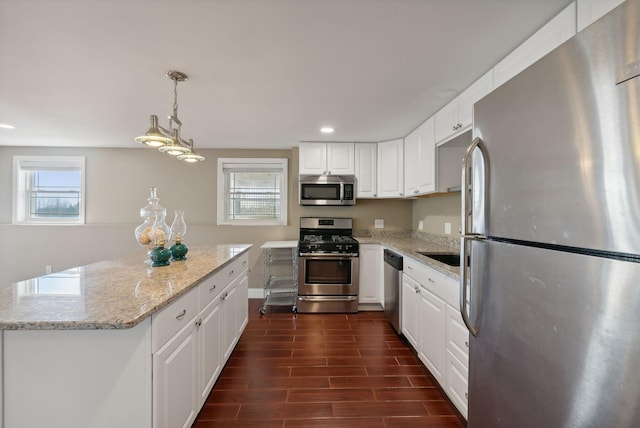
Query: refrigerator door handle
[[467, 186], [465, 303], [467, 230]]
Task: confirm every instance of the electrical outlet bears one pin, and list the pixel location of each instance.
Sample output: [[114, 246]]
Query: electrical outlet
[[447, 228], [47, 269], [420, 225], [379, 224]]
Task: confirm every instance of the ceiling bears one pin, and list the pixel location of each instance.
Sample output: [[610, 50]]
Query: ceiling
[[262, 73]]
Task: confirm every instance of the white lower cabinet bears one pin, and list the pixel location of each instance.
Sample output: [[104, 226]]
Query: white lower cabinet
[[175, 380], [234, 314], [432, 324], [188, 362], [371, 274], [410, 299], [154, 375], [457, 370], [432, 333], [209, 349]]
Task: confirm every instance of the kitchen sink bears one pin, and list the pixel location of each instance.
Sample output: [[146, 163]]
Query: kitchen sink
[[451, 259]]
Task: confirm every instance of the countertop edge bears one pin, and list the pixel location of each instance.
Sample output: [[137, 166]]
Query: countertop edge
[[409, 247], [123, 324]]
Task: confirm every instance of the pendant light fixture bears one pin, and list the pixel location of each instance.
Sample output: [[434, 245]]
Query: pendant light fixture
[[168, 140]]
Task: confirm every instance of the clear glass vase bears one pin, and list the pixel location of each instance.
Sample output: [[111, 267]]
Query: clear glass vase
[[160, 255], [178, 230], [178, 227], [154, 223]]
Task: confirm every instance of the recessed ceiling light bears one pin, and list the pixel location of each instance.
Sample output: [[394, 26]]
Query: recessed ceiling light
[[326, 130], [7, 126]]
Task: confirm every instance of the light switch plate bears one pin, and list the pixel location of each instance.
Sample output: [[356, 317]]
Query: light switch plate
[[379, 224], [420, 225]]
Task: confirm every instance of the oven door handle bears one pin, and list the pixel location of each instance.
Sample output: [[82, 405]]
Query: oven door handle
[[327, 255]]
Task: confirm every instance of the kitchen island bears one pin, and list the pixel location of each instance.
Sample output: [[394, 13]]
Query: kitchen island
[[117, 343]]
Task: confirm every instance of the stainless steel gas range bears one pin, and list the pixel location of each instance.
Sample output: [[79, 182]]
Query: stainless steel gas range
[[328, 263]]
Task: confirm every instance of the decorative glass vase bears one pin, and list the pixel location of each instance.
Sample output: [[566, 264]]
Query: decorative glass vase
[[154, 223], [160, 232], [178, 230]]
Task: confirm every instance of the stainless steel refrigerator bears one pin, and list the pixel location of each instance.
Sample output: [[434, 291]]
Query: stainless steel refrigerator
[[551, 224]]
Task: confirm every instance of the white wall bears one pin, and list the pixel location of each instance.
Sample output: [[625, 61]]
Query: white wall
[[118, 182]]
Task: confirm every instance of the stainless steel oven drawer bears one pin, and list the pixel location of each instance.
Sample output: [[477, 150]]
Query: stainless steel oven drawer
[[327, 304]]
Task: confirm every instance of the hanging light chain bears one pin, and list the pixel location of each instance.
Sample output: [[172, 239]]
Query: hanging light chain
[[175, 97]]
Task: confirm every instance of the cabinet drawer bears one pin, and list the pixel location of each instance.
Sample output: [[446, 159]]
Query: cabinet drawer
[[213, 284], [457, 336], [452, 292], [430, 279], [457, 384], [415, 269], [166, 323]]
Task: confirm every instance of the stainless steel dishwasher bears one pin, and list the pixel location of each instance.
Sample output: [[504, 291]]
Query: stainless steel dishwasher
[[393, 289]]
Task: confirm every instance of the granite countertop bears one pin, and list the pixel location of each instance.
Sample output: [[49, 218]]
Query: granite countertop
[[112, 294], [409, 246]]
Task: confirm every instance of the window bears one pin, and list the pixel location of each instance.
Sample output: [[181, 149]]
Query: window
[[48, 190], [252, 191]]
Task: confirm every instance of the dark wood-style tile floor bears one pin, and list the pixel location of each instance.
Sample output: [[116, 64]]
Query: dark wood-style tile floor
[[324, 370]]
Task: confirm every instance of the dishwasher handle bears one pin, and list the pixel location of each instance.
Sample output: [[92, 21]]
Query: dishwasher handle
[[393, 259]]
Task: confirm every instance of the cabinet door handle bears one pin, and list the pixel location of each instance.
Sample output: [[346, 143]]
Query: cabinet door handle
[[231, 273], [212, 288], [431, 280], [466, 395], [375, 195], [466, 343], [410, 267], [417, 289], [199, 323], [181, 315]]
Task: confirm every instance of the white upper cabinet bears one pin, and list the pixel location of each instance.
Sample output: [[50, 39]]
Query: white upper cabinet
[[366, 168], [419, 160], [590, 10], [391, 169], [457, 116], [327, 158], [561, 28], [471, 95]]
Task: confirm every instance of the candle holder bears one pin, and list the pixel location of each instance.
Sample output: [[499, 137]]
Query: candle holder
[[178, 230]]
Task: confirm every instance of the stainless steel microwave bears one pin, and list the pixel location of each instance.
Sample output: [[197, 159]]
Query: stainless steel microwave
[[328, 189]]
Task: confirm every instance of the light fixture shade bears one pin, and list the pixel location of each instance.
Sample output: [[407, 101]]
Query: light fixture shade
[[154, 137], [191, 157], [175, 148]]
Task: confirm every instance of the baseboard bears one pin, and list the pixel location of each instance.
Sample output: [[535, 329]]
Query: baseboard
[[256, 293]]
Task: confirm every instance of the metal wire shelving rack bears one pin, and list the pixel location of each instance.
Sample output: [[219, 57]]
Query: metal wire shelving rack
[[280, 274]]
